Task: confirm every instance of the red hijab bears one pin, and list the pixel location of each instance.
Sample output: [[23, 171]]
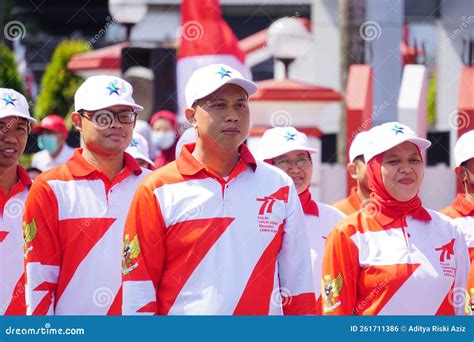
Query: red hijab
[[388, 211]]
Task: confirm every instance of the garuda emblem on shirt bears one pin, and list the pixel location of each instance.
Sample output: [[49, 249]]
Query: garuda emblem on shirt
[[331, 291], [131, 250], [29, 234]]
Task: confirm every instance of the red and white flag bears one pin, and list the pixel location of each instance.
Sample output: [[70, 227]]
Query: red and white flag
[[205, 39]]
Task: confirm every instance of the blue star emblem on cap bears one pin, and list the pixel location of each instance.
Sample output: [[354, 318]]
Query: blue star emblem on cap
[[9, 100], [223, 72], [113, 88], [289, 136], [398, 129], [134, 143]]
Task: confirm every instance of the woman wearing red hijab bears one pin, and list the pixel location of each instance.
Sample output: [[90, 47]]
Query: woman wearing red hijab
[[164, 137], [394, 257]]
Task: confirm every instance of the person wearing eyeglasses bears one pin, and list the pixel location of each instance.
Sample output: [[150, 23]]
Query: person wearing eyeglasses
[[289, 150], [15, 121], [75, 214]]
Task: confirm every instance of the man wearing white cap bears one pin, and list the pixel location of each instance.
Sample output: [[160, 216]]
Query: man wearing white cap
[[357, 170], [288, 149], [462, 208], [216, 232], [138, 149], [15, 123], [75, 213]]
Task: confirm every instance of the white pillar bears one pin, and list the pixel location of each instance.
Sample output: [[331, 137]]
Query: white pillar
[[412, 100], [321, 64], [456, 23], [383, 31]]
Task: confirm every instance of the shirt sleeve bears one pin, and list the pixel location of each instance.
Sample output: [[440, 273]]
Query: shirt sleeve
[[294, 262], [143, 254], [41, 249], [462, 270], [340, 274]]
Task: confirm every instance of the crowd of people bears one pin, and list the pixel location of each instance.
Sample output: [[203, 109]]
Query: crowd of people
[[144, 219]]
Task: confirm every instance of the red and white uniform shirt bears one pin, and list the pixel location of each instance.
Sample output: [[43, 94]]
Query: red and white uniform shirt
[[462, 213], [351, 204], [12, 285], [196, 244], [369, 270], [73, 222], [319, 224]]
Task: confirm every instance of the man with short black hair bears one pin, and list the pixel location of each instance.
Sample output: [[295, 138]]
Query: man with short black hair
[[216, 232], [15, 183], [75, 213]]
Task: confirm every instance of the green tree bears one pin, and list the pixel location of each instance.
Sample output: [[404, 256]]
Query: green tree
[[431, 101], [9, 76], [58, 84]]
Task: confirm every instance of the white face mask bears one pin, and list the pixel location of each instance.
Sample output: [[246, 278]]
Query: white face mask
[[163, 140]]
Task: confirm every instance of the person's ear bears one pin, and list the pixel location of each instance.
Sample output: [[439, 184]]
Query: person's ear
[[352, 170], [190, 114], [76, 121], [461, 173]]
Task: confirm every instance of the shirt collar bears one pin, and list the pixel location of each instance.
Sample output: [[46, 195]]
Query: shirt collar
[[463, 206], [23, 177], [190, 166], [79, 167], [354, 199]]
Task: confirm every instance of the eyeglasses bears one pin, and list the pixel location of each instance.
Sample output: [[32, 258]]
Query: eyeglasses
[[105, 117], [286, 163]]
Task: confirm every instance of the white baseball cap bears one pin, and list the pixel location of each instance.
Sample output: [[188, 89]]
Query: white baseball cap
[[383, 137], [208, 79], [12, 103], [103, 91], [280, 140], [464, 148], [138, 148], [187, 137], [358, 146]]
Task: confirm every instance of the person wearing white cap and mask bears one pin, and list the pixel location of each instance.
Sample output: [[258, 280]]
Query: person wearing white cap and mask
[[357, 170], [462, 208], [15, 121], [289, 150], [379, 260], [240, 220], [138, 149], [75, 213]]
